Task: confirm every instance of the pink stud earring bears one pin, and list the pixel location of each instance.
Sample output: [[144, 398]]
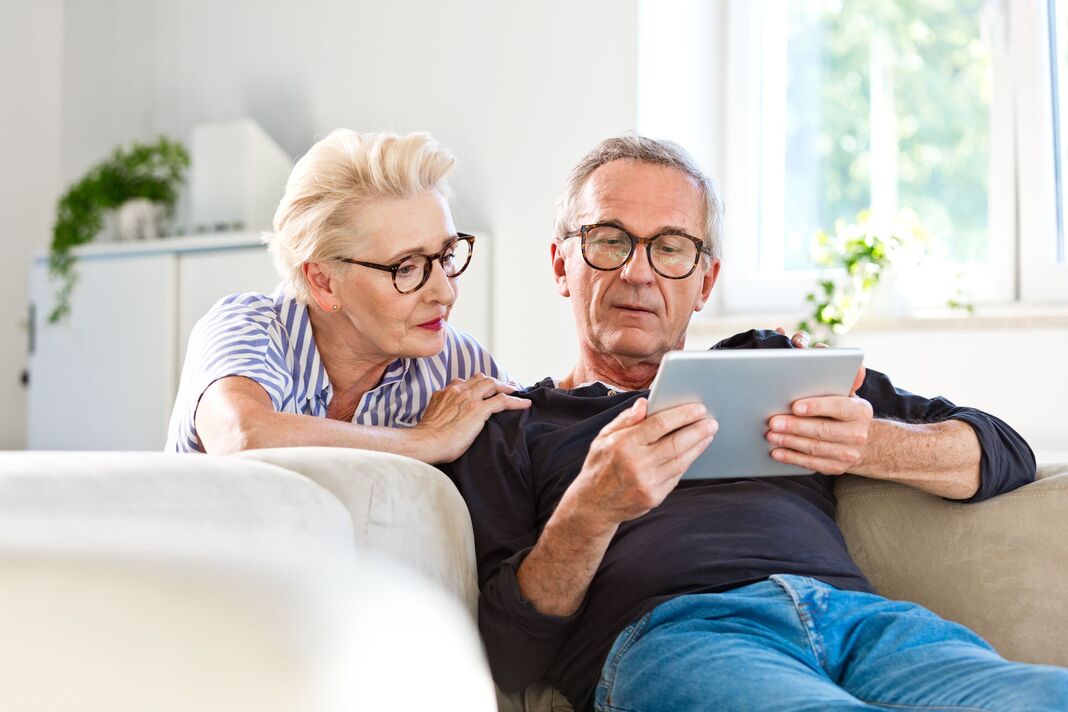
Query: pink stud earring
[[336, 307]]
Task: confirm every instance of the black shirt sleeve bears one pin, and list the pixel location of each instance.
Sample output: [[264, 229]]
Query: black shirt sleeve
[[494, 478], [1007, 461]]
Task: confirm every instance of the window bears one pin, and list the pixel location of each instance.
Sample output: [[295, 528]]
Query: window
[[830, 107], [860, 105], [885, 106]]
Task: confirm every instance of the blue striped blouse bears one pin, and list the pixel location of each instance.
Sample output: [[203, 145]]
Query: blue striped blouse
[[269, 340]]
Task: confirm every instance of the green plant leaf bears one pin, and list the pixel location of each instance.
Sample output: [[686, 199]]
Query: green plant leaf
[[154, 171]]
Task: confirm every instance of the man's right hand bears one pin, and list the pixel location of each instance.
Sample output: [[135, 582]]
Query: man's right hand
[[636, 461]]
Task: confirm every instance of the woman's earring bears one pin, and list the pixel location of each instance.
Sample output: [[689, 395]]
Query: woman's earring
[[336, 307]]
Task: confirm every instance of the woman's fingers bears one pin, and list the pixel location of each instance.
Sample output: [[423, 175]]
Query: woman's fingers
[[483, 387], [503, 401]]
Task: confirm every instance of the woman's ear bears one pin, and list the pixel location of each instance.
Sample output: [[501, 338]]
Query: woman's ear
[[559, 268], [321, 286]]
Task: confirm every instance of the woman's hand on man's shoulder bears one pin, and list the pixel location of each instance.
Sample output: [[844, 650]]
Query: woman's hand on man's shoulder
[[456, 414]]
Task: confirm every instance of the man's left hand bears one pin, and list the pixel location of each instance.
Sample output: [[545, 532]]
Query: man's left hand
[[828, 435], [801, 339]]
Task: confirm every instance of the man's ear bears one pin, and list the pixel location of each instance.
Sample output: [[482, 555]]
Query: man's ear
[[321, 286], [559, 268], [707, 282]]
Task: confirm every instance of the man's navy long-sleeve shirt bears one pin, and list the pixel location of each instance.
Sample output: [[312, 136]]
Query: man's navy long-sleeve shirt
[[707, 536]]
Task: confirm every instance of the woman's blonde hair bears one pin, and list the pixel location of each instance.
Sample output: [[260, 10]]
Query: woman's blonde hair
[[333, 180]]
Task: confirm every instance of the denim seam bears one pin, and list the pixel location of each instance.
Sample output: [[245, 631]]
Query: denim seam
[[930, 708], [806, 619], [609, 678]]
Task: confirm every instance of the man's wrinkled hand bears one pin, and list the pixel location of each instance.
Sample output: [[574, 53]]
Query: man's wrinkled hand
[[637, 459], [801, 339], [828, 435]]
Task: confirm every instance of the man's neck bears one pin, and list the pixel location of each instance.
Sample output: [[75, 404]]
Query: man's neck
[[629, 374]]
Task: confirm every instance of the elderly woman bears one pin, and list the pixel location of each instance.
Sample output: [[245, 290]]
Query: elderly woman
[[354, 348]]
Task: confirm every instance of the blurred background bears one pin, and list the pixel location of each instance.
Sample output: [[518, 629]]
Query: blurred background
[[922, 139]]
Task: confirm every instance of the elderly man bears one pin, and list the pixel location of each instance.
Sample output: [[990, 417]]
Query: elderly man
[[604, 575]]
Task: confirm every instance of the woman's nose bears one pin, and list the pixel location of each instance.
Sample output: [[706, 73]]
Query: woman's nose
[[440, 287]]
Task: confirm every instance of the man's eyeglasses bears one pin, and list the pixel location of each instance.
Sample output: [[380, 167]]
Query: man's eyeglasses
[[672, 254], [413, 271]]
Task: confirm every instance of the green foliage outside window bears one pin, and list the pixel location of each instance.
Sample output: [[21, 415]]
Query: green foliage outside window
[[940, 84]]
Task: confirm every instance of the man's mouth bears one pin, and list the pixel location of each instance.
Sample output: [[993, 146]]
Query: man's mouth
[[634, 308]]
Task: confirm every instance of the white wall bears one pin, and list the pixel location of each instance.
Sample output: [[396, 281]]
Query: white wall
[[519, 91], [30, 60]]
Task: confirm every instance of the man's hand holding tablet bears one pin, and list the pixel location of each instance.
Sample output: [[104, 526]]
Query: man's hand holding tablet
[[825, 434], [780, 411]]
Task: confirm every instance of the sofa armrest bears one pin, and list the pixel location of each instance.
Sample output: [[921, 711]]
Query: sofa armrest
[[999, 567], [400, 507]]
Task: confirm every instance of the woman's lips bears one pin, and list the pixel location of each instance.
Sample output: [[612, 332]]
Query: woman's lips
[[433, 325]]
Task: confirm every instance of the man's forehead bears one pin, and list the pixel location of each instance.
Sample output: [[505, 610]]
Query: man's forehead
[[655, 196]]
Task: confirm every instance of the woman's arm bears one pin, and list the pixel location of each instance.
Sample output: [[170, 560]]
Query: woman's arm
[[235, 413]]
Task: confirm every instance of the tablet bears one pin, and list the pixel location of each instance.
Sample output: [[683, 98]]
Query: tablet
[[742, 389]]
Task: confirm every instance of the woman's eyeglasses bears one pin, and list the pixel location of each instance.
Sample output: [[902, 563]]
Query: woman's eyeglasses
[[413, 271]]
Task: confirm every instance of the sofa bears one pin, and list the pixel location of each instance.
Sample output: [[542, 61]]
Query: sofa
[[145, 581], [325, 578]]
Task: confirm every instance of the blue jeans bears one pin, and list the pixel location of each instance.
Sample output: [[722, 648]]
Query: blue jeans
[[795, 643]]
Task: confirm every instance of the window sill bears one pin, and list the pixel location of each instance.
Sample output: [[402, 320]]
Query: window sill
[[994, 317]]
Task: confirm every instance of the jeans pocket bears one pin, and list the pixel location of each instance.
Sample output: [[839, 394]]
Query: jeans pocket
[[623, 643]]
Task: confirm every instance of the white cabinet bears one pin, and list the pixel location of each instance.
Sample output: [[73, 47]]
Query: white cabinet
[[105, 377]]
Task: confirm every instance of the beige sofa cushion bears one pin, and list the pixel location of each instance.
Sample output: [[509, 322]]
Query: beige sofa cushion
[[999, 567], [216, 627], [94, 494], [401, 508], [134, 581]]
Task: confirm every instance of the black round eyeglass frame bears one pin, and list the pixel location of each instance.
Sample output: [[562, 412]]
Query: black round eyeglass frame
[[584, 230], [428, 265]]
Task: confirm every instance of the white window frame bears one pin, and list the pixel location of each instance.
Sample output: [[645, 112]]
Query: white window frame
[[1042, 279], [744, 286]]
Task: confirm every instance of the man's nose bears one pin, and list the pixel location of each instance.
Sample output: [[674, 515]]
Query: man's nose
[[637, 270], [439, 287]]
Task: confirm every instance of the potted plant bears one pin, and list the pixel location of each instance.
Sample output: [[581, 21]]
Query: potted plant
[[862, 253], [152, 172]]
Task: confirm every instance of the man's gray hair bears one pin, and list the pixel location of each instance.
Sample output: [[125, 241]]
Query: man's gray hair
[[658, 152]]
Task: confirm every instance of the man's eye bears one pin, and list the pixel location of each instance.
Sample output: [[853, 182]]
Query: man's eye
[[405, 270]]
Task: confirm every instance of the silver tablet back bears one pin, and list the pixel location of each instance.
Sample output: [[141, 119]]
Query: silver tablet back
[[742, 389]]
